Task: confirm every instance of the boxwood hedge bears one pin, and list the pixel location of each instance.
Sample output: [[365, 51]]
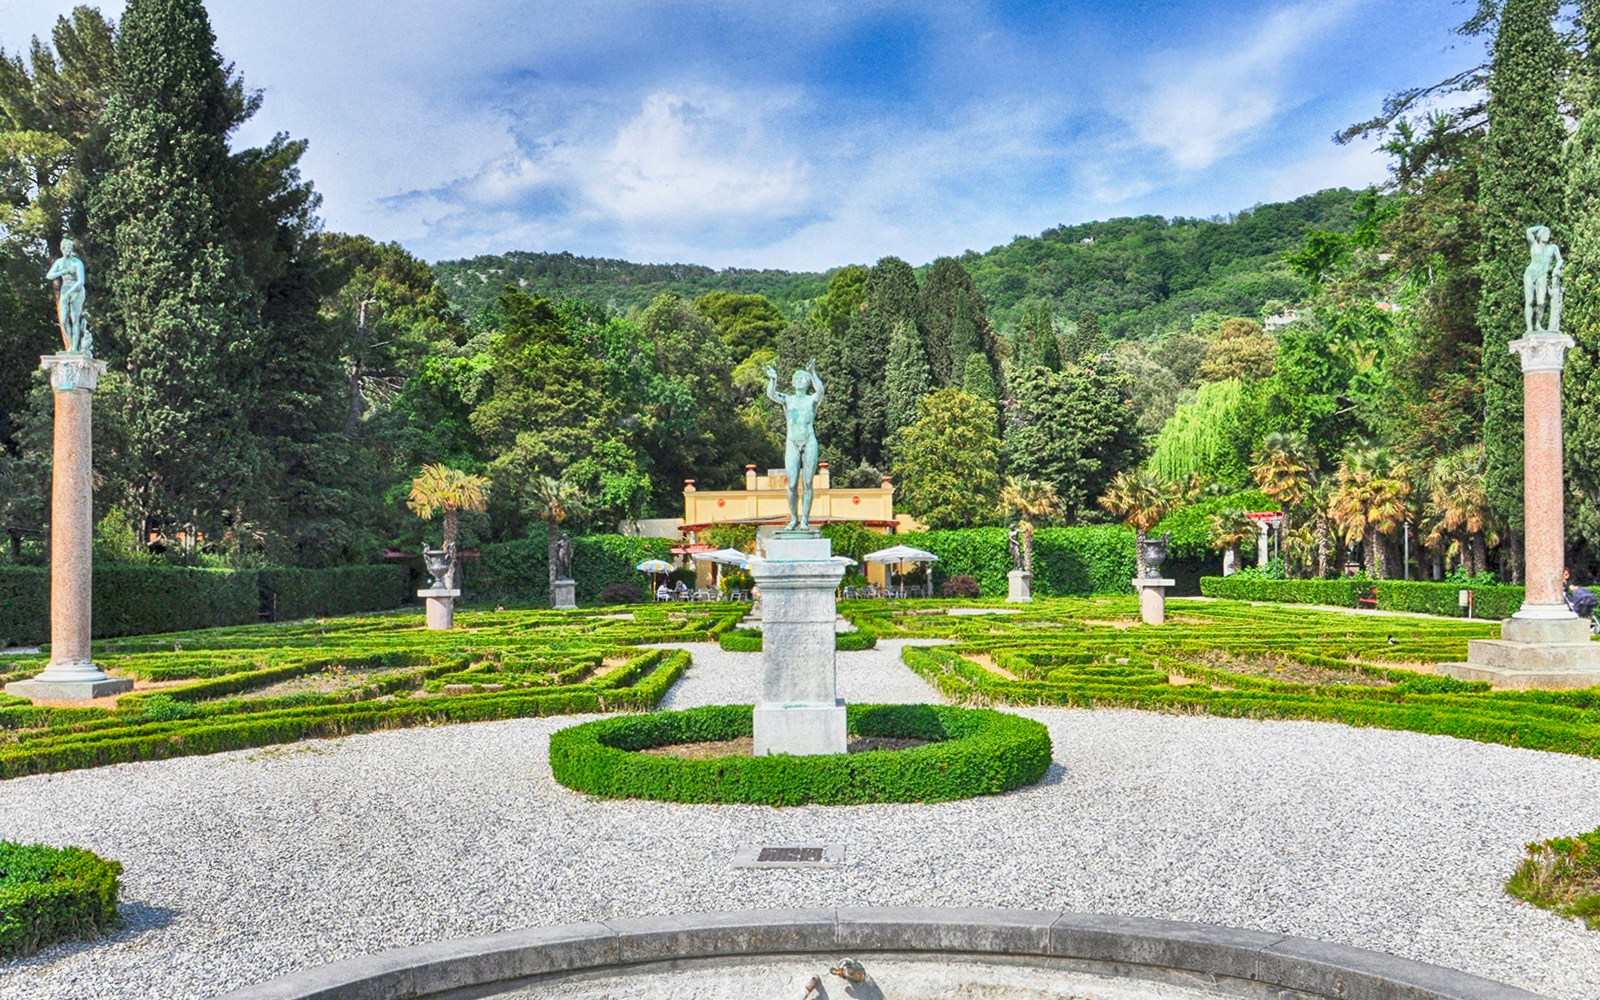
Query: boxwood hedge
[[971, 752], [50, 894], [1489, 602], [748, 640]]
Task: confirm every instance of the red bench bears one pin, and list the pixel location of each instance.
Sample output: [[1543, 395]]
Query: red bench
[[1368, 600]]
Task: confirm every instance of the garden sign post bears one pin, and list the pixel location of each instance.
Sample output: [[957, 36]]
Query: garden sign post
[[74, 373]]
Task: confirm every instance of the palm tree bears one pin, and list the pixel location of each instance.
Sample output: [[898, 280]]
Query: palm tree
[[1027, 499], [554, 501], [1230, 530], [1458, 499], [441, 488], [1370, 501], [1284, 470], [1140, 498]]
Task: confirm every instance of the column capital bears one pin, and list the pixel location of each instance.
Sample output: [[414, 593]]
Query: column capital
[[72, 370], [1542, 352]]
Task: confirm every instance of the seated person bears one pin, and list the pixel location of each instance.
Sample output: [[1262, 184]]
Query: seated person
[[1581, 600], [681, 590], [662, 593]]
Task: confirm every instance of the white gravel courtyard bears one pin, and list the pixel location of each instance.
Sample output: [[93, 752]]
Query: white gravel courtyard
[[242, 866]]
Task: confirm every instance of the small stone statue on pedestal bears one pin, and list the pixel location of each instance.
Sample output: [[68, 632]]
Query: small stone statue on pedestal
[[563, 588], [1019, 582]]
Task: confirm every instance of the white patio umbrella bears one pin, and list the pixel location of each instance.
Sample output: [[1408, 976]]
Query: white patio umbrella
[[723, 557], [654, 566], [899, 554]]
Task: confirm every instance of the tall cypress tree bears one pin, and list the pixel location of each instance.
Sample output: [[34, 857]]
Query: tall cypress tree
[[1521, 186], [1581, 397], [908, 378], [950, 311], [1036, 342], [183, 310], [890, 299]]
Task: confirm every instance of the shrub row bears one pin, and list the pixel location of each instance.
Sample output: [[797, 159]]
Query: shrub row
[[748, 640], [1490, 602], [519, 571], [972, 752], [50, 894], [138, 600], [1066, 561]]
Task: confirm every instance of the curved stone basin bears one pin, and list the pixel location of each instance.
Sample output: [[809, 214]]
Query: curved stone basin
[[910, 954]]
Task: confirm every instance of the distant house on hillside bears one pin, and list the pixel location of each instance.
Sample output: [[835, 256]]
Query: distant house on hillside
[[1282, 319]]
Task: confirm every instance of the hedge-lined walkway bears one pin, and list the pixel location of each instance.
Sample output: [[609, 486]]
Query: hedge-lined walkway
[[242, 865]]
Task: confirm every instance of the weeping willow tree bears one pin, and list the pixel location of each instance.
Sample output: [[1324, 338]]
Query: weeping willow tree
[[1209, 436]]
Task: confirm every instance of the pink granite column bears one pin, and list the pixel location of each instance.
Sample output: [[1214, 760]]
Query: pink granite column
[[71, 673], [1543, 482]]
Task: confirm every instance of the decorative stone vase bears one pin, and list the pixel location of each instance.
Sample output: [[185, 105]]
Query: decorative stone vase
[[1154, 552], [438, 563]]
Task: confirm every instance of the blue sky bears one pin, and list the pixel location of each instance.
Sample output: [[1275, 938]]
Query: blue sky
[[805, 135]]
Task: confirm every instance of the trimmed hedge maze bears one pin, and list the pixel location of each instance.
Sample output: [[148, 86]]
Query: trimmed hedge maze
[[1232, 659], [967, 752], [230, 689]]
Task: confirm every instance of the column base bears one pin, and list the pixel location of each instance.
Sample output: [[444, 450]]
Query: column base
[[441, 608], [564, 595], [1153, 599], [1533, 654], [1019, 587], [39, 689], [800, 730]]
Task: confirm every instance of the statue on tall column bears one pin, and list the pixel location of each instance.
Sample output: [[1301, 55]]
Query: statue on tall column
[[1541, 282], [67, 272], [800, 443]]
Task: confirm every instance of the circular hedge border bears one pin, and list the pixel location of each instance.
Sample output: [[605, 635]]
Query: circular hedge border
[[50, 894], [748, 640], [972, 751]]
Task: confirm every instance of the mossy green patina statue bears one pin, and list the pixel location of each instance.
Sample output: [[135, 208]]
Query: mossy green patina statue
[[800, 443], [68, 274], [1541, 282]]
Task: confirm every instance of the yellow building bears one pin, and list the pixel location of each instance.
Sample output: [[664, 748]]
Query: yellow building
[[764, 503]]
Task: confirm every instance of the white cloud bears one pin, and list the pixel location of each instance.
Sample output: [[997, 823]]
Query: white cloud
[[1198, 107]]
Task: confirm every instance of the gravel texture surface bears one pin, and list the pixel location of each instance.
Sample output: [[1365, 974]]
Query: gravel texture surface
[[242, 866]]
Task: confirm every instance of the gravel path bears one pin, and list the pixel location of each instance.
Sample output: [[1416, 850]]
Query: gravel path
[[244, 865]]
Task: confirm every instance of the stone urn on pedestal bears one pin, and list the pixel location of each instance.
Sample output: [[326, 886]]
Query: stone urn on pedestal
[[439, 596], [1152, 586]]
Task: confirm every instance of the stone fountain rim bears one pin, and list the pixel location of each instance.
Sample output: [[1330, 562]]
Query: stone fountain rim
[[1137, 946]]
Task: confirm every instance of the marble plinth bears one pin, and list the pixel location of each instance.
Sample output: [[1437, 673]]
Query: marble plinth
[[1153, 598], [441, 605], [798, 710], [1020, 587], [564, 595]]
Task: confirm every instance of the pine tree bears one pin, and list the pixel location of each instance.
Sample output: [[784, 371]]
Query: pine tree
[[1036, 342], [978, 379], [950, 311], [188, 313], [1581, 396], [1521, 186], [1086, 340], [908, 378]]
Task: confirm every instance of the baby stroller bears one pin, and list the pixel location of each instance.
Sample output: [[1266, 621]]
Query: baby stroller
[[1583, 602]]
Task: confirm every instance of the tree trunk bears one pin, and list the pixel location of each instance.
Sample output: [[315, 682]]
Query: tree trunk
[[450, 548], [1138, 552], [1480, 553], [1512, 559], [1369, 553], [552, 537], [1322, 546]]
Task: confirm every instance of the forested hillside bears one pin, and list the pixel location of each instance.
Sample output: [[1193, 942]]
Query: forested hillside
[[1138, 275]]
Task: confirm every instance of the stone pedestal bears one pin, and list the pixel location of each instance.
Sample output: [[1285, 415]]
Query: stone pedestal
[[1544, 645], [441, 605], [1020, 589], [564, 595], [1153, 599], [71, 673], [798, 711]]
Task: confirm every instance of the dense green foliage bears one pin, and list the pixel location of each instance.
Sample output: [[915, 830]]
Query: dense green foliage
[[748, 640], [517, 571], [1521, 185], [1560, 875], [262, 685], [949, 461], [1490, 603], [969, 752], [139, 599], [50, 894], [1581, 279], [1067, 561]]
